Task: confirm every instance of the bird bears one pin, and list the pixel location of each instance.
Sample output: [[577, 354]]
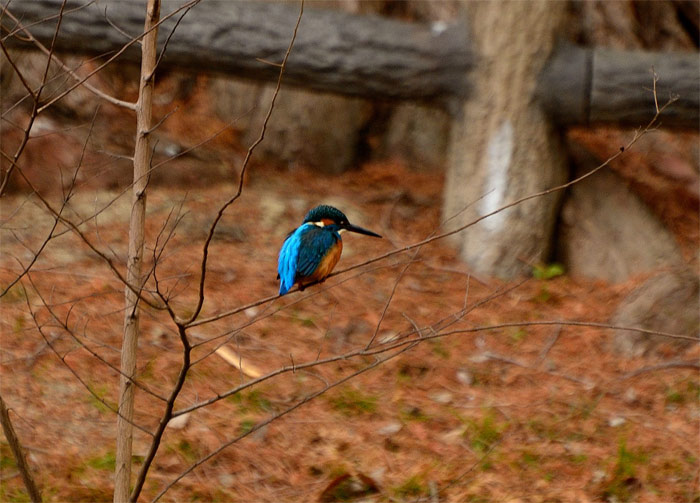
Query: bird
[[311, 251]]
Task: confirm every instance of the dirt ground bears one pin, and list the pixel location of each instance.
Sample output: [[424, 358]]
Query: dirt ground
[[521, 413]]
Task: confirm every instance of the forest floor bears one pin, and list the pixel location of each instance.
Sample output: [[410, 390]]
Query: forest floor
[[520, 413]]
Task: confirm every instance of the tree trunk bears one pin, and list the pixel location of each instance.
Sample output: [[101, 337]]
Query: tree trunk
[[142, 154], [502, 145]]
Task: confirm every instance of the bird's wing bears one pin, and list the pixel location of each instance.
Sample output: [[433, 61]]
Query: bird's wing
[[315, 243], [289, 234], [287, 262]]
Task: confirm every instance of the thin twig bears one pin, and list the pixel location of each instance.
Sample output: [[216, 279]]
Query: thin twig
[[167, 41], [52, 57], [548, 347], [165, 418], [39, 21], [182, 326], [388, 301], [35, 101], [638, 134], [64, 325], [66, 198], [239, 191], [688, 364], [188, 5], [117, 28], [62, 359], [279, 415], [76, 230]]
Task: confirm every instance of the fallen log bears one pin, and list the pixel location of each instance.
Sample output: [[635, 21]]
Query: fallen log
[[371, 57], [587, 86], [366, 55]]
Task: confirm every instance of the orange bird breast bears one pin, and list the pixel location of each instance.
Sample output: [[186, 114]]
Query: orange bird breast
[[326, 265]]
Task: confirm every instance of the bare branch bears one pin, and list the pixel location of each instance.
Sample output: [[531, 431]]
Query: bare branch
[[35, 101], [56, 218], [52, 57], [678, 364], [637, 135], [550, 344], [192, 322], [398, 342], [18, 453], [186, 364], [134, 270], [249, 153], [63, 324], [117, 28], [167, 41], [281, 414], [75, 229], [17, 71], [82, 80], [165, 418], [62, 359], [388, 301]]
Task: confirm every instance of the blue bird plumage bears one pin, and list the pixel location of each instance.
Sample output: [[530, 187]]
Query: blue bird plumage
[[311, 251]]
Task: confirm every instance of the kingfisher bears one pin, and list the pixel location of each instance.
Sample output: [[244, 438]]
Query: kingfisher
[[311, 251]]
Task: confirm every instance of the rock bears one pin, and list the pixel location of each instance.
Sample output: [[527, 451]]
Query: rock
[[418, 135], [306, 128], [607, 232], [229, 233], [347, 487], [667, 302], [598, 476], [465, 377], [390, 429], [630, 396], [453, 437], [227, 480], [179, 422], [616, 421], [441, 397]]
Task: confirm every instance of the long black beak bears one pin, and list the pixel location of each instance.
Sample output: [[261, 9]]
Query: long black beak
[[360, 230]]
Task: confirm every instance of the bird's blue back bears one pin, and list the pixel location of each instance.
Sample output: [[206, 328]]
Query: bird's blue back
[[302, 252]]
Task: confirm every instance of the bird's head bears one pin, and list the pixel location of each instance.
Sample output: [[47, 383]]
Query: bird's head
[[328, 216]]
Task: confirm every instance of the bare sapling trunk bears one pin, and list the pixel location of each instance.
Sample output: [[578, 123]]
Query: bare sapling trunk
[[136, 243], [18, 453]]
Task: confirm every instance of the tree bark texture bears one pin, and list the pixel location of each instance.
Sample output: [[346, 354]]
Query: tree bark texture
[[142, 153], [593, 86], [503, 146], [360, 55]]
